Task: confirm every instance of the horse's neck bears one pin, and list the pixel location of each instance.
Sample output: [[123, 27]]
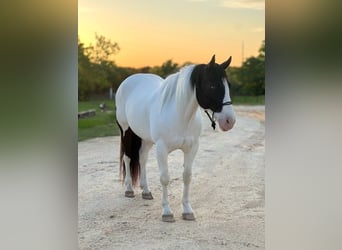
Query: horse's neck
[[180, 93], [189, 105]]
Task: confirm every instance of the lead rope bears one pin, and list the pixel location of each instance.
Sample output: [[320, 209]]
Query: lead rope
[[212, 119]]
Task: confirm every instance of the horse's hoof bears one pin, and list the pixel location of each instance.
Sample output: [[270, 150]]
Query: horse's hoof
[[188, 216], [168, 218], [147, 196], [129, 194]]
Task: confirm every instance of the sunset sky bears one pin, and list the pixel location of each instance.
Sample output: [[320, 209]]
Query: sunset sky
[[149, 32]]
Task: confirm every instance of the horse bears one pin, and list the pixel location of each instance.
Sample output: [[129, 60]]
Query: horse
[[166, 113]]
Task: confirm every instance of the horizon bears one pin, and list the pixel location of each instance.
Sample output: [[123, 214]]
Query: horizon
[[151, 32]]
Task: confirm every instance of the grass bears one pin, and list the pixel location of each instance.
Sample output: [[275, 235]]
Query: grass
[[249, 100], [103, 124]]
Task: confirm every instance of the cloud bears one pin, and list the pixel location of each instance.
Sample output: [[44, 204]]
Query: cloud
[[258, 29], [244, 4]]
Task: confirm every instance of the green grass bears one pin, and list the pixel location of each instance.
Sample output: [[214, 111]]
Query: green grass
[[249, 100], [103, 124]]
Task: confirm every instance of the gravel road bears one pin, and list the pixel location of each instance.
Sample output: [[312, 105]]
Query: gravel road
[[227, 193]]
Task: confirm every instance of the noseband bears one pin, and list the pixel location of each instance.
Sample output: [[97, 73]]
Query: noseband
[[212, 119]]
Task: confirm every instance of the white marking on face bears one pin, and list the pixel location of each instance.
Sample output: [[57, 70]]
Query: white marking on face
[[226, 118]]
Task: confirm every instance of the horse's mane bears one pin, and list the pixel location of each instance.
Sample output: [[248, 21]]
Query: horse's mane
[[177, 86]]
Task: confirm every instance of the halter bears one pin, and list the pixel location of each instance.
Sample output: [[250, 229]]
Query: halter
[[212, 119]]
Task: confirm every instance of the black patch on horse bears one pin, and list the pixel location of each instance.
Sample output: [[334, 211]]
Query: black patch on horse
[[207, 79]]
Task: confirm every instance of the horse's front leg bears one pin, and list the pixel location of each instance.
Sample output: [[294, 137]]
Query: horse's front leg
[[189, 156], [162, 154]]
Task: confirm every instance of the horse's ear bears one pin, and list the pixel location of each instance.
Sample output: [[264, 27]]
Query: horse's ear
[[226, 63], [212, 61]]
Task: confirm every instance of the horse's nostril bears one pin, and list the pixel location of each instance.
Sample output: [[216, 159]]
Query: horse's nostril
[[227, 121]]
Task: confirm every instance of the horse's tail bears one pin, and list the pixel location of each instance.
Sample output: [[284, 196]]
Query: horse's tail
[[130, 146], [122, 168]]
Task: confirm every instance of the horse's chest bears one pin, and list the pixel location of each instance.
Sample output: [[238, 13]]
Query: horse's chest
[[181, 142], [177, 134]]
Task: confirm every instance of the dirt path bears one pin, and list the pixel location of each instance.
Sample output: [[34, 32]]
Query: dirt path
[[227, 193]]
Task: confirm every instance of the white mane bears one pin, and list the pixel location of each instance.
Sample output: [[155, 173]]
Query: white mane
[[177, 86]]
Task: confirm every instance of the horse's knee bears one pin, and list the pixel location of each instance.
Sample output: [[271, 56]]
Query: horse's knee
[[164, 179], [187, 176]]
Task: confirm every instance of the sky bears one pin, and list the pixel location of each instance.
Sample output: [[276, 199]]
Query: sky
[[150, 32]]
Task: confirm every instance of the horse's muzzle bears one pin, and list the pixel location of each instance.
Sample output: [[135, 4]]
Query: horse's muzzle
[[226, 123]]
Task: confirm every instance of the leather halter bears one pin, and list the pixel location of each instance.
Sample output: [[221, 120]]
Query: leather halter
[[212, 119]]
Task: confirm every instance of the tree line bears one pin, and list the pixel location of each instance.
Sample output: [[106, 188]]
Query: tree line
[[97, 71]]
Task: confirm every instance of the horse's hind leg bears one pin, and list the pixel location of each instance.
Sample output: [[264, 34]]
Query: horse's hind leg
[[128, 178], [125, 160], [143, 155], [131, 144]]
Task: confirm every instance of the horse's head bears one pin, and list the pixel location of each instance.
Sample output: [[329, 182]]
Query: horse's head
[[212, 91]]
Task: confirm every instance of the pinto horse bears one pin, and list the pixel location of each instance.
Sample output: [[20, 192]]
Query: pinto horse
[[166, 112]]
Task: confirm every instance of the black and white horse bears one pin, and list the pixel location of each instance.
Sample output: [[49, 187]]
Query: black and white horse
[[166, 112]]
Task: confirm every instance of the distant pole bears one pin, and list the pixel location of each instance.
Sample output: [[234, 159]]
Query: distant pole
[[111, 93], [243, 52]]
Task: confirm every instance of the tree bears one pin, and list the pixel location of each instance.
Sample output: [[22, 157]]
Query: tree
[[249, 79], [262, 51], [96, 70], [85, 84], [167, 68], [253, 76], [103, 51], [234, 76]]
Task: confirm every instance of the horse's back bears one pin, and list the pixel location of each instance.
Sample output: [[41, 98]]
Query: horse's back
[[145, 82], [134, 98]]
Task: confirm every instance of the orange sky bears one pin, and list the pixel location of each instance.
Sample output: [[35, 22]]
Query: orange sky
[[149, 32]]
